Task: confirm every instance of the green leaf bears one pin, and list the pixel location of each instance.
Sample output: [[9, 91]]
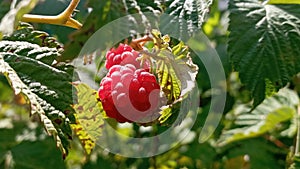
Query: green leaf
[[263, 44], [104, 12], [169, 114], [36, 108], [142, 9], [168, 80], [89, 113], [174, 113], [48, 86], [43, 54], [264, 118], [37, 154], [53, 88], [176, 72], [47, 82], [25, 32], [85, 139], [5, 4], [50, 83], [296, 163], [266, 158], [187, 16], [11, 19]]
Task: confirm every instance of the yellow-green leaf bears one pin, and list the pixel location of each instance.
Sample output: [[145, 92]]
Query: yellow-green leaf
[[89, 115], [85, 139]]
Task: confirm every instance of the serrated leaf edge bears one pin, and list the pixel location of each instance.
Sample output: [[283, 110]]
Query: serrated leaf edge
[[36, 108]]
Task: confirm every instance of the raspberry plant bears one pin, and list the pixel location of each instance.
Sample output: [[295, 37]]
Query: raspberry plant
[[257, 41], [129, 87]]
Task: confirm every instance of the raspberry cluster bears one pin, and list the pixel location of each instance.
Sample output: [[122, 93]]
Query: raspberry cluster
[[128, 93], [122, 55]]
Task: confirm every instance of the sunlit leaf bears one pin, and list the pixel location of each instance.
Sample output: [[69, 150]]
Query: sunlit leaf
[[43, 54], [89, 114], [175, 69], [86, 140], [263, 44], [171, 85], [169, 114], [176, 73], [264, 118], [283, 2], [296, 163]]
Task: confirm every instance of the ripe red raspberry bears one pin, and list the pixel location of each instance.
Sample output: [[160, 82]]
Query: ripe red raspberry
[[123, 55], [129, 94]]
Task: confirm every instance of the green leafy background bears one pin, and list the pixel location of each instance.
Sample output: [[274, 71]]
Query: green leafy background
[[258, 44]]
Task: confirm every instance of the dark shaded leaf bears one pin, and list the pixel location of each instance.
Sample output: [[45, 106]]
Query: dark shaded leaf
[[247, 150], [5, 4], [25, 32], [140, 16], [47, 82], [33, 155], [264, 50], [36, 108], [48, 89], [187, 17]]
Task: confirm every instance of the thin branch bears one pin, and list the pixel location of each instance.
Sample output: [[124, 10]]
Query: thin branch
[[63, 18]]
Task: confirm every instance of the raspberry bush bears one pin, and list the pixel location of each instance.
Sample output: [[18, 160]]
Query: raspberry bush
[[258, 45]]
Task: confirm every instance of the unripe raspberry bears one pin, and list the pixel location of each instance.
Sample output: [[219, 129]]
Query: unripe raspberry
[[123, 55], [129, 94]]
